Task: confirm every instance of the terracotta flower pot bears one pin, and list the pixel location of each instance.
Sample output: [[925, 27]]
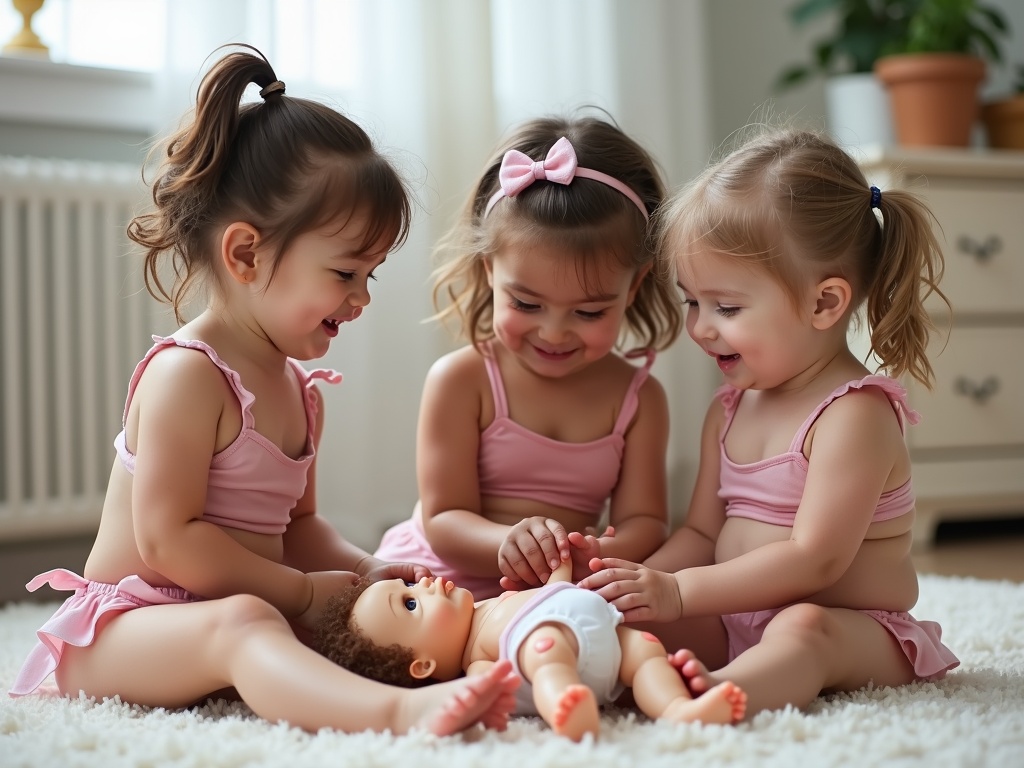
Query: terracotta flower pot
[[934, 96], [1004, 123]]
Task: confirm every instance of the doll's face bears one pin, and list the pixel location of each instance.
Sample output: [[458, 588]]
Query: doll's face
[[433, 617]]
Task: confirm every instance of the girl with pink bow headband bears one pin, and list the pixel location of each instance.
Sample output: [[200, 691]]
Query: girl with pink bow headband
[[540, 433]]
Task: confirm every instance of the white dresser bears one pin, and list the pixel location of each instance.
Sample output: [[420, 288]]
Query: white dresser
[[968, 450]]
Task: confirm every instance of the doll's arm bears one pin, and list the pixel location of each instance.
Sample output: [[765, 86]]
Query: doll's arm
[[562, 573]]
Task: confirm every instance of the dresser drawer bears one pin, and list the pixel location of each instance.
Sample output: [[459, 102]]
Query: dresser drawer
[[983, 234], [977, 400]]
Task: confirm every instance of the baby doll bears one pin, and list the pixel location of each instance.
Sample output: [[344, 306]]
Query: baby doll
[[567, 643]]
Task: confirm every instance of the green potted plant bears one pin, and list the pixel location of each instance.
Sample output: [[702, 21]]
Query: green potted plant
[[1004, 118], [933, 75], [863, 30]]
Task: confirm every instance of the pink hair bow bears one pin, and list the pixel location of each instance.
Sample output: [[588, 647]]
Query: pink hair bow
[[518, 172]]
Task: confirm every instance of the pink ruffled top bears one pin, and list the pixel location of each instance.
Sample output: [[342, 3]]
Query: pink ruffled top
[[515, 462], [253, 485], [770, 490]]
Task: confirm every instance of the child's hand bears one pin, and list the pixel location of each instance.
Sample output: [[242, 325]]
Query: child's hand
[[642, 594], [325, 584], [584, 548], [532, 549], [373, 569]]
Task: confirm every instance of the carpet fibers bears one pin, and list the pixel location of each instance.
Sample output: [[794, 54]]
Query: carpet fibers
[[975, 717]]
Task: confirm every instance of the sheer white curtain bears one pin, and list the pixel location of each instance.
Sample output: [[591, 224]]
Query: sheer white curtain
[[436, 82]]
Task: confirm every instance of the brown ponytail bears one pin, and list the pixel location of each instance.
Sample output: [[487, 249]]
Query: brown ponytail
[[909, 268], [285, 164]]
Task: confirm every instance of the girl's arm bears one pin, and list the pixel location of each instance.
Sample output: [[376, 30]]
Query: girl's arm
[[639, 502], [694, 542], [856, 444], [649, 592], [179, 402], [447, 444], [312, 544]]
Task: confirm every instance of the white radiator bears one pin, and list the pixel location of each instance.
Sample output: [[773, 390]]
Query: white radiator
[[74, 320]]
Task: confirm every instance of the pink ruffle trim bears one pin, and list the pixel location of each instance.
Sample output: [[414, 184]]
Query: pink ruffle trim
[[76, 621]]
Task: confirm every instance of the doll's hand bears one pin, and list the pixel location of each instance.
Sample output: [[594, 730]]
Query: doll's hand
[[640, 593], [532, 549], [584, 547], [325, 584], [373, 569]]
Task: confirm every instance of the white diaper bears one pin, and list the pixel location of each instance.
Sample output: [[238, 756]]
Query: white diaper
[[592, 620]]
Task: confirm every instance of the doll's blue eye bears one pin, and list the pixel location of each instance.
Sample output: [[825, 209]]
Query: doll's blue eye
[[410, 584], [410, 603]]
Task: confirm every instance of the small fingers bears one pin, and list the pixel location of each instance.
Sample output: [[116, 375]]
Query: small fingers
[[603, 577], [515, 566], [561, 543]]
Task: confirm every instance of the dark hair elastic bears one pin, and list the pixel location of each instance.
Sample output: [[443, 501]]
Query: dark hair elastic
[[876, 197]]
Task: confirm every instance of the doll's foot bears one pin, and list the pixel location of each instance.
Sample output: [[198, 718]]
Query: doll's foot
[[448, 708], [576, 713], [724, 704], [695, 675]]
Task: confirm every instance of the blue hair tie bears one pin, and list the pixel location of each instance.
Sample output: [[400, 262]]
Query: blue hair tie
[[876, 197]]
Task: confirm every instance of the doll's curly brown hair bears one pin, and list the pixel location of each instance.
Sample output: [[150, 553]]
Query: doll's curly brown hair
[[339, 638]]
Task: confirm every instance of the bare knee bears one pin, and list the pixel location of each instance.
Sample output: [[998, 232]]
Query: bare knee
[[811, 625], [241, 616]]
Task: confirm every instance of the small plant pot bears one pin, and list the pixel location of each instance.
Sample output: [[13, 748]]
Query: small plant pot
[[1004, 123], [934, 96]]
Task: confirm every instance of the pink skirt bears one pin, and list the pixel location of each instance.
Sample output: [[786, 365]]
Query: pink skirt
[[75, 622], [921, 641]]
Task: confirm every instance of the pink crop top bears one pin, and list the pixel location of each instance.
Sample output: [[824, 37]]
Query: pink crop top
[[770, 490], [253, 486], [517, 463]]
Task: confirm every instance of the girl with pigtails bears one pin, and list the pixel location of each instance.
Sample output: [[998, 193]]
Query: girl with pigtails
[[210, 555], [798, 533]]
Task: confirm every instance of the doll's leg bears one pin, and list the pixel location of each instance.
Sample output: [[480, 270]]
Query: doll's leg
[[174, 655], [660, 693], [548, 660], [807, 650]]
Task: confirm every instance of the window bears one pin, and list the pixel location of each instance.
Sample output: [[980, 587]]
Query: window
[[117, 34], [315, 41]]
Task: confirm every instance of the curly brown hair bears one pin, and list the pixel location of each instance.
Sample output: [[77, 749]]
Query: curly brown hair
[[339, 638]]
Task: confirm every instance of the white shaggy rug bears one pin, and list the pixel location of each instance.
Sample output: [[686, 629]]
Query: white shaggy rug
[[975, 717]]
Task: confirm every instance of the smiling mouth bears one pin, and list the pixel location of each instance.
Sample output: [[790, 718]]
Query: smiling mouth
[[722, 358], [554, 355]]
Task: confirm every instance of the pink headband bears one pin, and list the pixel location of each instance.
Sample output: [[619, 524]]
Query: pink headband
[[518, 172]]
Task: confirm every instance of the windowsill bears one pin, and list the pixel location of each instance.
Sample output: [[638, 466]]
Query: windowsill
[[44, 92]]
